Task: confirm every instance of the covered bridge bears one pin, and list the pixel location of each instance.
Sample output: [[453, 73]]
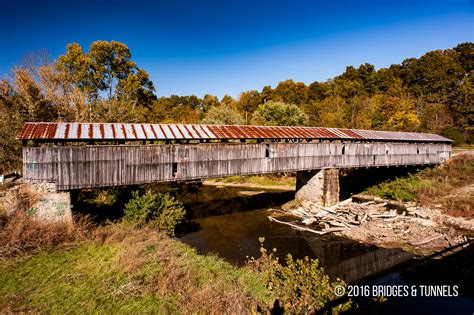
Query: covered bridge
[[87, 155]]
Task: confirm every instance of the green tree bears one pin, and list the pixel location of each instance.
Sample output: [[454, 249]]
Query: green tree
[[291, 92], [434, 77], [177, 109], [222, 115], [466, 56], [107, 69], [331, 112], [228, 101], [209, 101], [279, 114]]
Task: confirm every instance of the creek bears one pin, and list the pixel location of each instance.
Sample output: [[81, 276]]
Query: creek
[[227, 221]]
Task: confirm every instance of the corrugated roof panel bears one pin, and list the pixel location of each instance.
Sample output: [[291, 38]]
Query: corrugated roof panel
[[167, 132], [204, 131], [209, 129], [148, 131], [127, 131], [108, 131], [189, 131], [197, 132], [61, 131], [138, 131], [176, 132], [158, 132], [95, 130], [119, 131]]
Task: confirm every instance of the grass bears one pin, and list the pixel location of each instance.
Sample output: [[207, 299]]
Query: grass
[[449, 185], [118, 269], [261, 180]]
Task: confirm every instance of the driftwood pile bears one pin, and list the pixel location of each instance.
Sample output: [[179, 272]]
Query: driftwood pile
[[373, 222]]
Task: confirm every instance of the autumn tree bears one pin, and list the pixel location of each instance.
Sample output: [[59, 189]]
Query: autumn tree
[[248, 102], [279, 114], [222, 115], [107, 71]]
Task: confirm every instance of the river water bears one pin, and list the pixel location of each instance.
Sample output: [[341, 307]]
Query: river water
[[228, 221]]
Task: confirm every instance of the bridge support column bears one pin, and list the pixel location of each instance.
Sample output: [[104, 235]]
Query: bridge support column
[[40, 201], [319, 186]]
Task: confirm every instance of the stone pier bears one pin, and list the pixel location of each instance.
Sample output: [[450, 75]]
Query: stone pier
[[40, 201], [318, 186]]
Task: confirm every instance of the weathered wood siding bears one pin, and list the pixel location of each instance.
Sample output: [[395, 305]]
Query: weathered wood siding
[[74, 167]]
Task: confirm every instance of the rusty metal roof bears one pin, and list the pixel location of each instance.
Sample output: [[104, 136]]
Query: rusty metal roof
[[124, 131]]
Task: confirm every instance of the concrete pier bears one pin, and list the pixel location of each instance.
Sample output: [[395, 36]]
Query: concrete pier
[[318, 186]]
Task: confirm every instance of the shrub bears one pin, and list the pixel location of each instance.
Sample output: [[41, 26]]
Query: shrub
[[300, 285], [161, 211], [454, 134]]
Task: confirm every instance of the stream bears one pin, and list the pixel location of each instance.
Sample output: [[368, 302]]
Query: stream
[[227, 221]]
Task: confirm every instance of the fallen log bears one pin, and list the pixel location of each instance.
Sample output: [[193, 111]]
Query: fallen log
[[300, 228], [428, 240]]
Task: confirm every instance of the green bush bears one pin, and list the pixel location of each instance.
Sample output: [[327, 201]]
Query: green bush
[[301, 285], [454, 134], [161, 211]]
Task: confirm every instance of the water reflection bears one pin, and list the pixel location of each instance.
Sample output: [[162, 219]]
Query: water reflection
[[235, 236]]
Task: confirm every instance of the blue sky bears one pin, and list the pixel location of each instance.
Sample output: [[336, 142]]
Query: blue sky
[[226, 47]]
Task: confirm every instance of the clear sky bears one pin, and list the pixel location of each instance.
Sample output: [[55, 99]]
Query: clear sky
[[229, 46]]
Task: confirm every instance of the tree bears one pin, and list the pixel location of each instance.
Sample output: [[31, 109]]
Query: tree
[[279, 114], [331, 112], [248, 103], [177, 109], [466, 56], [228, 101], [222, 115], [107, 70], [209, 101], [401, 114], [291, 92], [434, 77]]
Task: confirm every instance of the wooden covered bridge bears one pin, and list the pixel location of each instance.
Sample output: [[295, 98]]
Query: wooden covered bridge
[[88, 155]]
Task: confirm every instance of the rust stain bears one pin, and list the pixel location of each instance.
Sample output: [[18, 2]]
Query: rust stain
[[102, 131], [186, 127], [179, 130], [134, 132], [48, 131], [91, 131], [153, 130], [66, 131], [162, 130], [124, 131], [114, 135]]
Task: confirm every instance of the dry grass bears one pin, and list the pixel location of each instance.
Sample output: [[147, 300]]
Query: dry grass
[[195, 282], [21, 234], [131, 270]]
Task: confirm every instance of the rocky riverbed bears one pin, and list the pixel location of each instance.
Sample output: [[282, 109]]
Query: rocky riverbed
[[421, 230]]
